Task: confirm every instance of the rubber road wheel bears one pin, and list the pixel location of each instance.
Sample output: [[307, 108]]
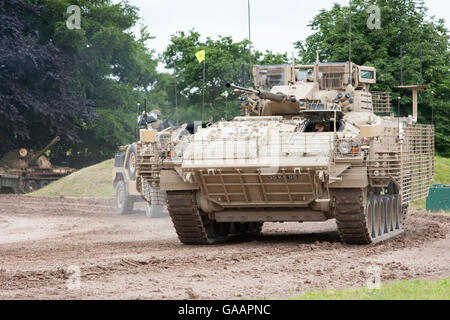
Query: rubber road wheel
[[31, 185], [124, 204], [132, 162]]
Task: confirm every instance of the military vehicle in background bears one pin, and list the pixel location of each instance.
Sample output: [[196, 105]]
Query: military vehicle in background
[[25, 171], [315, 144], [9, 183], [124, 183], [124, 174]]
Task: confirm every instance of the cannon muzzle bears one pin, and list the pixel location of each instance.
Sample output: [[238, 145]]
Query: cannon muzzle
[[277, 97], [232, 86]]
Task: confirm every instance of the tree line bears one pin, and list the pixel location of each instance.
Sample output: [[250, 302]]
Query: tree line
[[85, 84]]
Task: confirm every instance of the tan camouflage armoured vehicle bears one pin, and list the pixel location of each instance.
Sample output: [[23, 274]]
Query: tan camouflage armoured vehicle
[[313, 146], [124, 174], [124, 183], [32, 169]]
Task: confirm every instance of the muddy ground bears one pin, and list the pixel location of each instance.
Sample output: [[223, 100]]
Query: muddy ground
[[44, 240]]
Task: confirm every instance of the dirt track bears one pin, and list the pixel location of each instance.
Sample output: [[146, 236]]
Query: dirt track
[[132, 257]]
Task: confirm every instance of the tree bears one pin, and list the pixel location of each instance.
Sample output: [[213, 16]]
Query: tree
[[36, 101], [226, 61], [110, 66], [404, 24]]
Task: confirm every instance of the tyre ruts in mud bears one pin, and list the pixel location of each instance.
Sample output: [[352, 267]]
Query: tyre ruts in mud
[[194, 228], [368, 216]]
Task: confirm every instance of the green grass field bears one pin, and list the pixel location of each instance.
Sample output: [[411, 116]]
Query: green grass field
[[94, 181], [402, 290], [442, 170], [441, 176]]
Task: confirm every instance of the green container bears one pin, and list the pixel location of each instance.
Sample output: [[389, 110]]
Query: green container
[[438, 198]]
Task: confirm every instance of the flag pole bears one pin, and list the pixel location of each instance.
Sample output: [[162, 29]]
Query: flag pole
[[176, 92], [203, 100]]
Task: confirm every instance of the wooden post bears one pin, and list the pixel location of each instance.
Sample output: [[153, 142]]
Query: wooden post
[[414, 104], [414, 89]]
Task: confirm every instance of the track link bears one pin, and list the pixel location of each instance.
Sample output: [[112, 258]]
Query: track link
[[186, 217], [365, 220], [195, 229]]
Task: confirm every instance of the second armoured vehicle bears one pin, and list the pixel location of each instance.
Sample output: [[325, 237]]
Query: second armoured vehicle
[[32, 170], [124, 173], [312, 146]]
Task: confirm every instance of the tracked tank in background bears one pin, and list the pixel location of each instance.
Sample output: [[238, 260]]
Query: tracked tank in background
[[27, 171], [314, 145]]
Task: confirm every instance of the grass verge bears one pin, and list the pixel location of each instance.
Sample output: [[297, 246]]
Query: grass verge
[[402, 290], [94, 181], [441, 176]]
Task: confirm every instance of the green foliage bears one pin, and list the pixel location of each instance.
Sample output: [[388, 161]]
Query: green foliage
[[441, 170], [223, 63], [402, 290], [405, 24], [113, 68], [270, 58], [226, 61]]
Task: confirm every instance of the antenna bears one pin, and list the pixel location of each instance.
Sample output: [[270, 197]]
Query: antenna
[[432, 109], [145, 113], [350, 79], [316, 67], [293, 69], [137, 123], [249, 43], [420, 65], [176, 91], [401, 65], [243, 75], [398, 115]]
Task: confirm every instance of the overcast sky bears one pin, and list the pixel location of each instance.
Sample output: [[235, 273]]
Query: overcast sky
[[276, 24]]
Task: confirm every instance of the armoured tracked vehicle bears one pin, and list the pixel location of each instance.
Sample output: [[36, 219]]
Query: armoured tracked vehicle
[[32, 170], [315, 144], [124, 173]]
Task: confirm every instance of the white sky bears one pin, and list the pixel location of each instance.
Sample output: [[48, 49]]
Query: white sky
[[276, 24]]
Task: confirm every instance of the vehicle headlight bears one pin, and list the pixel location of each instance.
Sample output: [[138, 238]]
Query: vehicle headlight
[[344, 147]]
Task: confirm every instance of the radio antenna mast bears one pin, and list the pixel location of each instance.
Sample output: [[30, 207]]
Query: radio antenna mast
[[350, 79], [421, 78], [401, 65], [249, 39]]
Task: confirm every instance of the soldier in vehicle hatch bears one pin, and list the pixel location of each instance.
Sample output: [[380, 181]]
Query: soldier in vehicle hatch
[[152, 119], [319, 127]]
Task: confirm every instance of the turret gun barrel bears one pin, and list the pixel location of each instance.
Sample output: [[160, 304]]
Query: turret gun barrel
[[277, 97], [40, 153]]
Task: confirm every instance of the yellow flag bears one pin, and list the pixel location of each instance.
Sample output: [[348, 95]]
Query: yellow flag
[[200, 56]]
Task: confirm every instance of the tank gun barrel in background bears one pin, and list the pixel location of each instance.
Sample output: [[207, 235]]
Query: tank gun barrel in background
[[277, 97], [40, 153], [232, 86]]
